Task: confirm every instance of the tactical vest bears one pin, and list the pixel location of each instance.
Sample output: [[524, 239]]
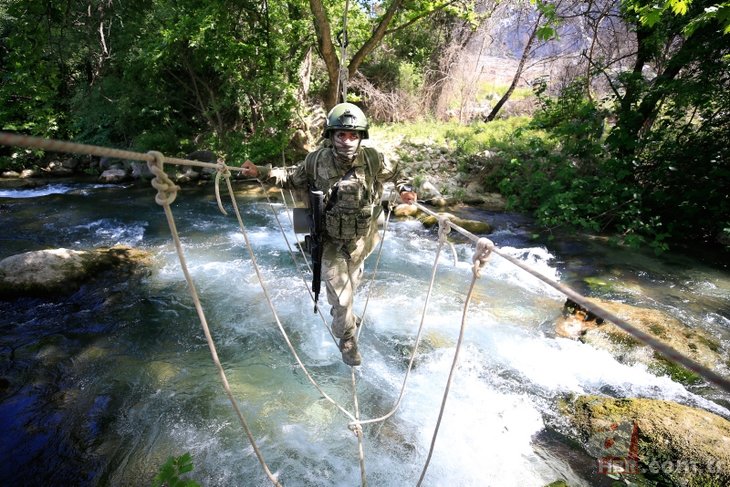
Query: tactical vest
[[352, 200]]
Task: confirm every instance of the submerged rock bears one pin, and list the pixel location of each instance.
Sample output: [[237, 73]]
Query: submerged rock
[[61, 271], [661, 441]]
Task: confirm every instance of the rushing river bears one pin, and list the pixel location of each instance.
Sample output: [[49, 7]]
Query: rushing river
[[102, 386]]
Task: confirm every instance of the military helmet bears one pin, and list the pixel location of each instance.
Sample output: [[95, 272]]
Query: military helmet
[[346, 116]]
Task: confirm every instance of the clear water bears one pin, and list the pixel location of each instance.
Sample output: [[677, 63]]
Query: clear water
[[100, 387]]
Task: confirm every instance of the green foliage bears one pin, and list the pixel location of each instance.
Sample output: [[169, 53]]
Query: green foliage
[[170, 473], [178, 75], [572, 118]]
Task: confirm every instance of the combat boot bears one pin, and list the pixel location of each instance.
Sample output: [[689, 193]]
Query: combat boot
[[350, 355]]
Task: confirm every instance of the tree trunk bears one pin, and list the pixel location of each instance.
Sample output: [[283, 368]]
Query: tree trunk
[[329, 53], [525, 54]]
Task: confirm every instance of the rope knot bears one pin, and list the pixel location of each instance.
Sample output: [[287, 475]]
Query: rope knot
[[356, 428], [481, 254], [166, 189]]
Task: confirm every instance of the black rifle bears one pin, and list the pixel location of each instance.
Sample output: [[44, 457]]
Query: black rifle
[[316, 238]]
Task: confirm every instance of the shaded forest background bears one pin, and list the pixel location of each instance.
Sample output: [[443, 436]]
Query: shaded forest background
[[607, 115]]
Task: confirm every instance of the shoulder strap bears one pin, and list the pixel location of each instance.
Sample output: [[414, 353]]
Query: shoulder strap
[[372, 158], [311, 163]]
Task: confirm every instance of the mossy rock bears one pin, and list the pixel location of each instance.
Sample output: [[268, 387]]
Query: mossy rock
[[690, 342], [473, 226], [672, 444]]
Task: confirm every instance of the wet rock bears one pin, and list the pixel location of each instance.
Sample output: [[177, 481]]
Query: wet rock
[[188, 176], [428, 191], [578, 323], [140, 170], [473, 226], [113, 176], [404, 209], [669, 443], [62, 271]]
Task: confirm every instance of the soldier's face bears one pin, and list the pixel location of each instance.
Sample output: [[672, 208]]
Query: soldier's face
[[346, 142]]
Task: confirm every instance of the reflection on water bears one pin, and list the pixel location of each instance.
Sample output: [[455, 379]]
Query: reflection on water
[[100, 387]]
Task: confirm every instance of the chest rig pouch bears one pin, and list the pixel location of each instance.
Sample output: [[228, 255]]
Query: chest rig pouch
[[348, 213]]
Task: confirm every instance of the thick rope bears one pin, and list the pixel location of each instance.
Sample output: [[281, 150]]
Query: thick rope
[[166, 193], [665, 350], [480, 259], [357, 429], [371, 280], [222, 171], [443, 232], [27, 141]]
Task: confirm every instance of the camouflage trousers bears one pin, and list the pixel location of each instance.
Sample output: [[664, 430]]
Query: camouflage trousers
[[342, 269]]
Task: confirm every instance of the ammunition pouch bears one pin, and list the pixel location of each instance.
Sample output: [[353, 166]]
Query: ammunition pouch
[[348, 225]]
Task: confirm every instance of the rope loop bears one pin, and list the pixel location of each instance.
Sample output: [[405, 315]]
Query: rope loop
[[222, 170], [166, 189], [481, 254], [444, 228]]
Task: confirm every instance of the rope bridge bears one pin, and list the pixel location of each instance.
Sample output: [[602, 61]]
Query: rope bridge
[[166, 194]]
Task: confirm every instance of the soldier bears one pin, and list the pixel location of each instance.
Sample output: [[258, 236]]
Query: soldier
[[351, 178]]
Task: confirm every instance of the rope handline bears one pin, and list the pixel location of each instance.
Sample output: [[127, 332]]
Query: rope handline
[[273, 309], [31, 142], [665, 350], [357, 429], [480, 259], [443, 231], [166, 193], [222, 171], [375, 269]]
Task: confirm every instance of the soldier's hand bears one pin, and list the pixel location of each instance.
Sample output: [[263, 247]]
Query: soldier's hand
[[408, 197], [250, 169]]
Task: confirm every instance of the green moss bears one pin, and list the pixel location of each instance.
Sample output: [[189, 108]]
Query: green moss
[[557, 483], [596, 282], [623, 339], [709, 343], [658, 330], [676, 372]]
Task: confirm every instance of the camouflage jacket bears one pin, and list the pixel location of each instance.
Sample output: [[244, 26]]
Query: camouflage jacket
[[352, 192]]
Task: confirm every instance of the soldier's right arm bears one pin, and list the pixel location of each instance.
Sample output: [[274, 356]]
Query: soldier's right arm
[[286, 177]]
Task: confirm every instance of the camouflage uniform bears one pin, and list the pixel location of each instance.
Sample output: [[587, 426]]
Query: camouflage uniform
[[351, 220]]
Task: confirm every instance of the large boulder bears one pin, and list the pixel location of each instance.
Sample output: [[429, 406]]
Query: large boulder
[[693, 343], [662, 441], [61, 271]]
